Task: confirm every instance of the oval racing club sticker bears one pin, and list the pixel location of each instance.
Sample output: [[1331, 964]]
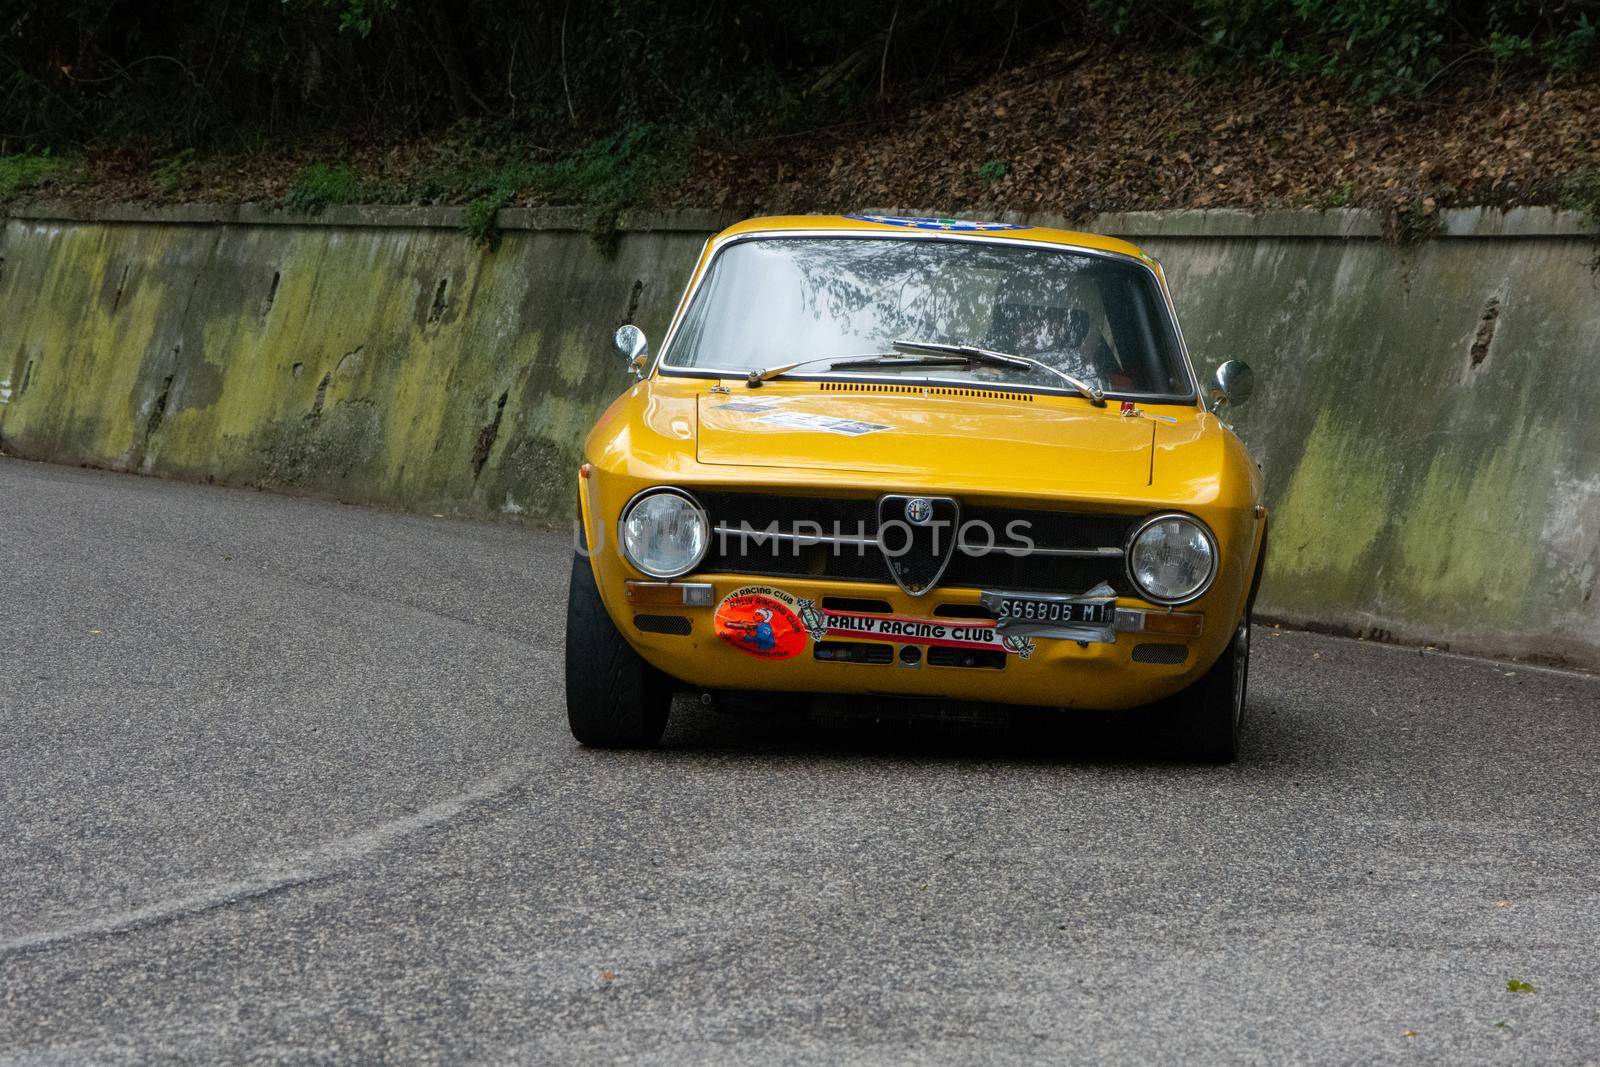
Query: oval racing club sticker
[[763, 621], [944, 225]]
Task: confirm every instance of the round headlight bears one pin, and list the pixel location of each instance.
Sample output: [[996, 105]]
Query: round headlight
[[1172, 559], [664, 533]]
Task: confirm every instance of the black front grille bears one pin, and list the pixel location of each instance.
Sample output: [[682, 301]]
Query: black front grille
[[855, 520], [1035, 573], [759, 509]]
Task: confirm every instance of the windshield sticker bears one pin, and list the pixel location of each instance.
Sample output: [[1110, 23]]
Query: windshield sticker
[[943, 225], [805, 420], [764, 622]]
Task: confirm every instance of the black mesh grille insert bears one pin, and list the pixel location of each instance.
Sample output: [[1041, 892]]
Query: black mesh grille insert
[[1160, 652], [854, 518], [676, 625]]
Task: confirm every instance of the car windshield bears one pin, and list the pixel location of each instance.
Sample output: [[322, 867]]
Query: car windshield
[[771, 301]]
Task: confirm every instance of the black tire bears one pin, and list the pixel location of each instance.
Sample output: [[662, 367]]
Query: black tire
[[1207, 718], [614, 698], [1209, 715]]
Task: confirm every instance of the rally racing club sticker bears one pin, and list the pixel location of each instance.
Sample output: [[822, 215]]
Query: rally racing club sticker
[[771, 623]]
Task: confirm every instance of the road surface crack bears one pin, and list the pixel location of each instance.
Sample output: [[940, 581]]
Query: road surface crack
[[324, 863]]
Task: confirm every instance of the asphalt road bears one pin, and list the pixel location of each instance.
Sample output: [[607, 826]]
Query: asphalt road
[[282, 779]]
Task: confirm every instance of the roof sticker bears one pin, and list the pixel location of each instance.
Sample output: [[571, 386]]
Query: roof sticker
[[944, 225]]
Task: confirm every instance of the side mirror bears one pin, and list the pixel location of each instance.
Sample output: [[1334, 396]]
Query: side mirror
[[630, 341], [1235, 382]]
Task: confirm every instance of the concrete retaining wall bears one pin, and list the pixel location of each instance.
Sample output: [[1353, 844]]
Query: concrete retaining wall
[[1428, 416], [387, 364]]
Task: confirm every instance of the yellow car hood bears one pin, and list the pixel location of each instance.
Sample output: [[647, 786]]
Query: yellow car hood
[[1064, 444]]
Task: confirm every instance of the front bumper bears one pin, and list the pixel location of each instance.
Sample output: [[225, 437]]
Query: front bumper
[[1133, 668]]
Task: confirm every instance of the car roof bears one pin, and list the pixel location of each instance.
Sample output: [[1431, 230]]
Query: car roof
[[927, 226]]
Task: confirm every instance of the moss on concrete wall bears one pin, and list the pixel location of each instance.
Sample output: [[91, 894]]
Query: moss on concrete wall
[[1425, 415], [392, 366]]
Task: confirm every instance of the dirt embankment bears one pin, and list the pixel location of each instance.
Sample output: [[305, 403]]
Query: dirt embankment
[[1073, 132], [1076, 133]]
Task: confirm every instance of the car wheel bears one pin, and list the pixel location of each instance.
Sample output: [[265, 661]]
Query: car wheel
[[1209, 715], [614, 698]]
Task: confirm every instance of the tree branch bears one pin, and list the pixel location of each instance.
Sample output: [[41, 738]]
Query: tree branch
[[572, 114], [883, 61]]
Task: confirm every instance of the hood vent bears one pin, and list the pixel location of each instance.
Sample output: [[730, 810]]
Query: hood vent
[[923, 390]]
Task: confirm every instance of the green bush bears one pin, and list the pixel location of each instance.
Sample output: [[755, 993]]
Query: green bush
[[173, 173], [24, 171], [1575, 49], [1581, 192], [480, 222], [1381, 47], [613, 171], [320, 185]]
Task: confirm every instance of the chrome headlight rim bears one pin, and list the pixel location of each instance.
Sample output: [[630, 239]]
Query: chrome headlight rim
[[622, 530], [1133, 539]]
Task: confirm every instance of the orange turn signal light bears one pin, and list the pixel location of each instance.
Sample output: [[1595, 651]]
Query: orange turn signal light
[[1179, 624], [663, 594], [653, 593]]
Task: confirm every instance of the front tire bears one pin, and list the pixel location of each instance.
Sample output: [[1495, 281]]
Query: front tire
[[1210, 714], [614, 698], [1208, 717]]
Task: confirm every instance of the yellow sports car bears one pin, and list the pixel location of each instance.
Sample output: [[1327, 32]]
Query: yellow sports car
[[917, 458]]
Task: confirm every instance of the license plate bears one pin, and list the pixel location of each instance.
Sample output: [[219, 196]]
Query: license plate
[[1060, 612]]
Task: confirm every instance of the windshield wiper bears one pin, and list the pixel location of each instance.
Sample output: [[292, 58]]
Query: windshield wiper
[[765, 374], [930, 354], [889, 359], [974, 354]]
